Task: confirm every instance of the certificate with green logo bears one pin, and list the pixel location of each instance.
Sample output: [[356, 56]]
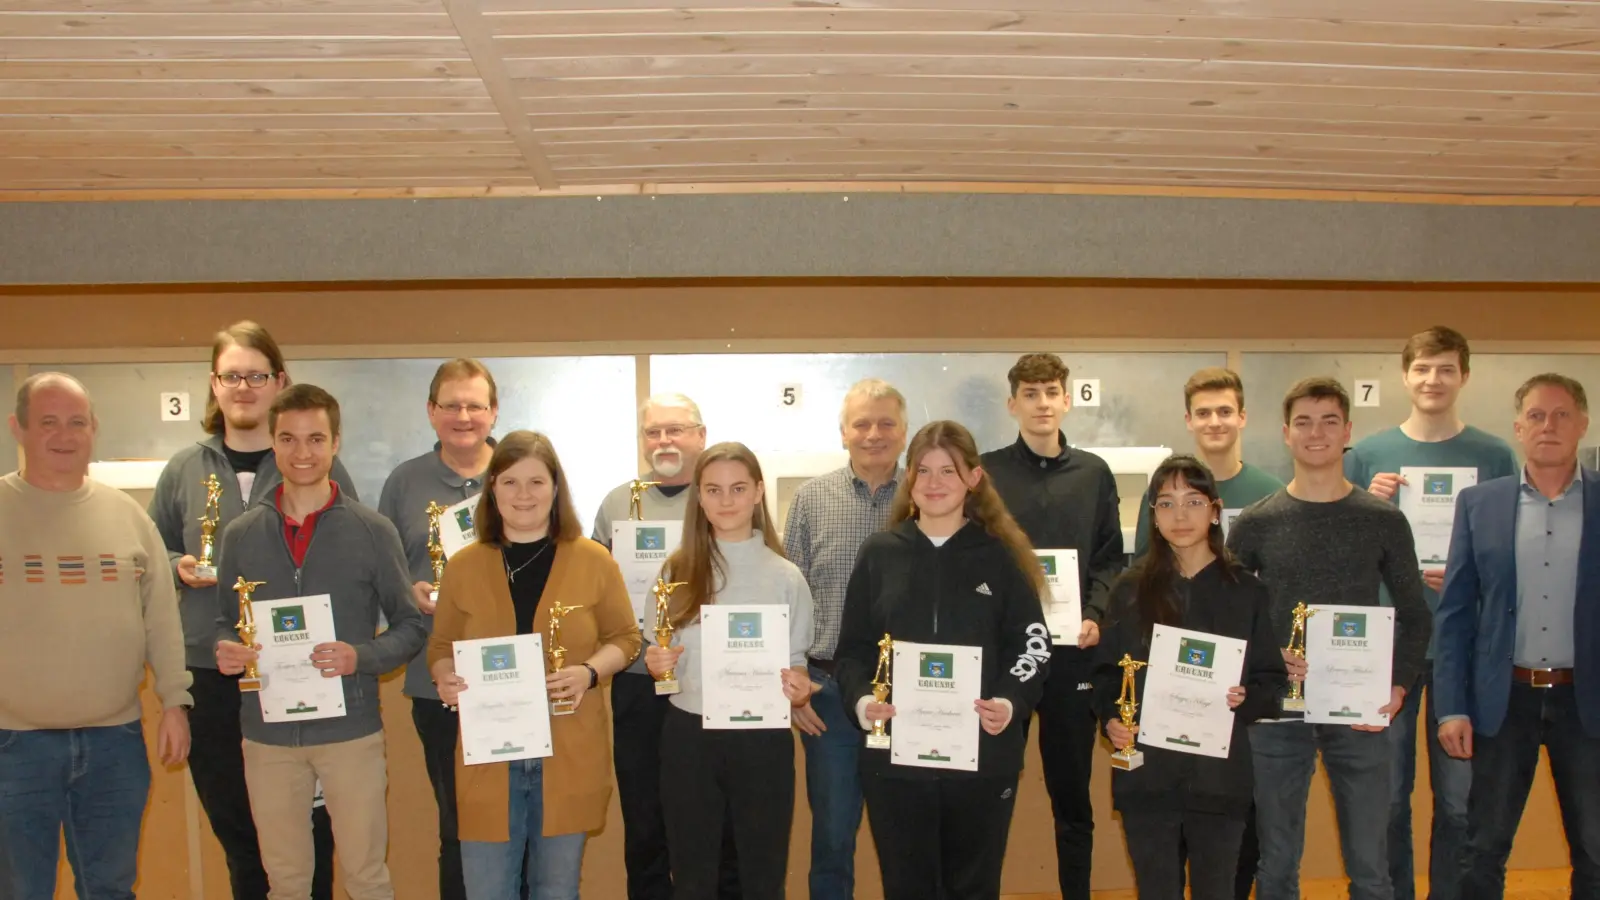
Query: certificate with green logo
[[1185, 704], [935, 724], [743, 652], [1063, 609], [1349, 659], [292, 689], [505, 710], [640, 548], [1428, 498]]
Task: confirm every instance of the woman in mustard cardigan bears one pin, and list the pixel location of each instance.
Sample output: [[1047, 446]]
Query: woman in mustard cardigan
[[531, 553]]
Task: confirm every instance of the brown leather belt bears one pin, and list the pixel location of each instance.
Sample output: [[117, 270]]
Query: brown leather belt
[[1541, 678]]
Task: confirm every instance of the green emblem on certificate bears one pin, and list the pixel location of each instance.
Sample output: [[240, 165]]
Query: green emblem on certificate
[[940, 666], [650, 539], [1350, 625], [1200, 654], [1438, 485], [500, 658], [288, 618]]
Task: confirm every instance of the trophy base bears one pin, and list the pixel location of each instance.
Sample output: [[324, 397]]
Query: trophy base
[[1294, 704], [666, 687], [879, 741], [562, 708], [249, 685], [1126, 761], [206, 572]]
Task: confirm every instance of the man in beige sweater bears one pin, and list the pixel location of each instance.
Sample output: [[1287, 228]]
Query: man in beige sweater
[[86, 602]]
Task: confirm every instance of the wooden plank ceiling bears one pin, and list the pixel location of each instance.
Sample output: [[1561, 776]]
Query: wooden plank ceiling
[[1446, 96]]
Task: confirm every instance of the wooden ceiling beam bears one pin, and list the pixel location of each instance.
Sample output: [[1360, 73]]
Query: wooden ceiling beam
[[479, 39]]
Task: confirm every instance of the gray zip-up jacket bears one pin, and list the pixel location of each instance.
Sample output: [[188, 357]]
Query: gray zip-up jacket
[[176, 507], [355, 557]]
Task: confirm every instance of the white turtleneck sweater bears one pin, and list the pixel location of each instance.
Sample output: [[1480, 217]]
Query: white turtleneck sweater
[[755, 575]]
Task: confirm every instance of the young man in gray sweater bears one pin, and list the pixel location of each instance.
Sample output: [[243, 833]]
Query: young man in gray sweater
[[1322, 541], [359, 564]]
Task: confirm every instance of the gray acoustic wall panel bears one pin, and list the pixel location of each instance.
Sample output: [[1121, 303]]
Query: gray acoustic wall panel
[[792, 235]]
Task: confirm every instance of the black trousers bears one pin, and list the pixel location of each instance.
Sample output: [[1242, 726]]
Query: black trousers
[[439, 728], [636, 717], [1067, 734], [1244, 879], [1154, 841], [216, 762], [940, 838], [721, 784]]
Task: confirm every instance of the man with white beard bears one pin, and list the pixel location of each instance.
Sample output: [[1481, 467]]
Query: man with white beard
[[671, 437]]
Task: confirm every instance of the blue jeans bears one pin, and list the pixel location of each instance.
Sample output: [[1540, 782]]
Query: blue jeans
[[92, 782], [1502, 772], [1358, 764], [833, 787], [1451, 780], [495, 871]]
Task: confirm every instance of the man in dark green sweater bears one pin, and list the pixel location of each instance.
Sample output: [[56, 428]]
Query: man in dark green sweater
[[1436, 365]]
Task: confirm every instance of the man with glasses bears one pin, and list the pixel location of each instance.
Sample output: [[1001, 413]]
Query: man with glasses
[[247, 373], [672, 436], [463, 404]]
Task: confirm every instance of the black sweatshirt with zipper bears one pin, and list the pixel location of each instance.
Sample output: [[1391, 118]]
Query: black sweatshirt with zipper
[[968, 592], [1214, 604]]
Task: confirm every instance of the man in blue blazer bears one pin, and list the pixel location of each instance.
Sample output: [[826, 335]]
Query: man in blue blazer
[[1518, 631]]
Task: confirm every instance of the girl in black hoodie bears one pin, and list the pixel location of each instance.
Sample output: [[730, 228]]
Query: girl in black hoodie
[[1178, 801], [952, 568]]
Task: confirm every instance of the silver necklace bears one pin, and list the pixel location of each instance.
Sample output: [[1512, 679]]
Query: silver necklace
[[511, 574]]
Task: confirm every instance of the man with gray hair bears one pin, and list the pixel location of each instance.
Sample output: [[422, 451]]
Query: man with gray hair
[[829, 519], [671, 437], [86, 603]]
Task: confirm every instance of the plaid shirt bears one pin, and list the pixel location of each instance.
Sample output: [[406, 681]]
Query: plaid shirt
[[829, 519]]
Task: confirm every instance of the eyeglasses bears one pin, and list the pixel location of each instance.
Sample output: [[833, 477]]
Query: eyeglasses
[[1192, 504], [672, 432], [456, 409], [232, 379]]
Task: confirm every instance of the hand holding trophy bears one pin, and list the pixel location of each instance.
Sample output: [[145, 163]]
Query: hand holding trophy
[[1130, 757], [251, 679], [435, 548], [666, 682], [206, 566], [558, 656], [1296, 701], [878, 738]]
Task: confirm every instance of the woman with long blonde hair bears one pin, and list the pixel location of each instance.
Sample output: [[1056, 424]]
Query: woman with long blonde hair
[[738, 781], [952, 568]]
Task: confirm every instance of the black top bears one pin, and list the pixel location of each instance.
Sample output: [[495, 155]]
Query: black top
[[672, 490], [1213, 604], [1067, 503], [528, 568], [970, 591], [245, 460]]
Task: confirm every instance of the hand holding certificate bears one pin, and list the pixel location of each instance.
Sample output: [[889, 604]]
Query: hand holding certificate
[[1186, 703], [1428, 499], [936, 719], [294, 653], [744, 651], [1350, 654], [505, 711]]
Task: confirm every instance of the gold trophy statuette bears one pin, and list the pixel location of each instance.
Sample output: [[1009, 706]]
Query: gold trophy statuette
[[1296, 701], [435, 548], [666, 682], [558, 655], [1128, 758], [878, 738], [206, 566], [636, 490], [251, 680]]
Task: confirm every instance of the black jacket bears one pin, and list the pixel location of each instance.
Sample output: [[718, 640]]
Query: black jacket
[[1210, 603], [969, 591], [1069, 503]]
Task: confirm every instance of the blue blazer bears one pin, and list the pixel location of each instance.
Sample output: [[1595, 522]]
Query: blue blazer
[[1476, 624]]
